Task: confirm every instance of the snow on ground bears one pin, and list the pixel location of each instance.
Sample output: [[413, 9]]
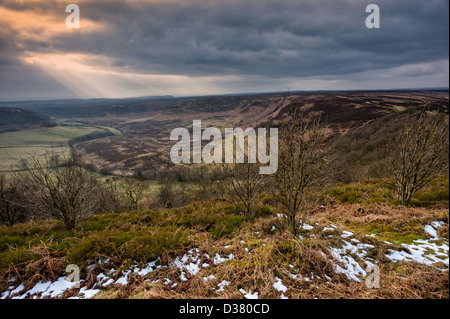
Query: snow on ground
[[422, 251], [190, 262], [431, 231], [222, 285], [306, 226], [346, 234], [298, 277], [278, 285], [437, 225], [86, 293], [218, 259], [46, 289], [249, 295], [124, 279], [350, 266], [352, 257], [351, 260], [145, 271]]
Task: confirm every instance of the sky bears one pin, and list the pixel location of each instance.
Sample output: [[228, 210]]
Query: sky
[[134, 48]]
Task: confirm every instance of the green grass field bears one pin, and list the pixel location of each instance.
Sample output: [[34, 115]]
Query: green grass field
[[18, 145]]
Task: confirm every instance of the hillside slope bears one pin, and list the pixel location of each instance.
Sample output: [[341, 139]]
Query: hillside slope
[[208, 250], [15, 119]]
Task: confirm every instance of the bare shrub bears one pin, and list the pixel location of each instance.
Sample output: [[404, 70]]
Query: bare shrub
[[12, 201], [134, 191], [242, 183], [166, 196], [419, 154], [60, 187], [301, 167], [169, 196], [113, 198], [207, 182]]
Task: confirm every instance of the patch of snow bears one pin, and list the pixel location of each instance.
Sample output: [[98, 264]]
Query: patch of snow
[[249, 295], [306, 227], [298, 277], [18, 289], [420, 251], [49, 289], [145, 271], [431, 231], [222, 285], [437, 225], [346, 234], [351, 267], [185, 264], [88, 293], [124, 279], [278, 285], [108, 282], [218, 259]]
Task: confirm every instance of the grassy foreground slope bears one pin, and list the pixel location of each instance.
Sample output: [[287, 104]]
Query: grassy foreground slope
[[208, 250]]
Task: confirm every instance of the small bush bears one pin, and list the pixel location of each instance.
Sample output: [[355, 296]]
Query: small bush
[[350, 197], [148, 247], [227, 225], [432, 195], [266, 210]]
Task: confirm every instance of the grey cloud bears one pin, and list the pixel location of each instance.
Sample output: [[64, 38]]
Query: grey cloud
[[266, 38], [250, 37]]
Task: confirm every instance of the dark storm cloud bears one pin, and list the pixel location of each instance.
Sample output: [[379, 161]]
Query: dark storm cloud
[[268, 38]]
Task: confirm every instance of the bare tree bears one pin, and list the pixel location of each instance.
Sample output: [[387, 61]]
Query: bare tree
[[301, 167], [242, 182], [419, 154], [12, 201], [206, 182], [60, 187], [134, 191], [166, 195], [113, 197], [170, 195]]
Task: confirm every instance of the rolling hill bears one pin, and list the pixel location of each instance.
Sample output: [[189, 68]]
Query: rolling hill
[[14, 119]]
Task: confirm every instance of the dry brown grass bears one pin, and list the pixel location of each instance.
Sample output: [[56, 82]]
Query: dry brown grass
[[256, 272], [46, 268], [358, 214], [270, 257]]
